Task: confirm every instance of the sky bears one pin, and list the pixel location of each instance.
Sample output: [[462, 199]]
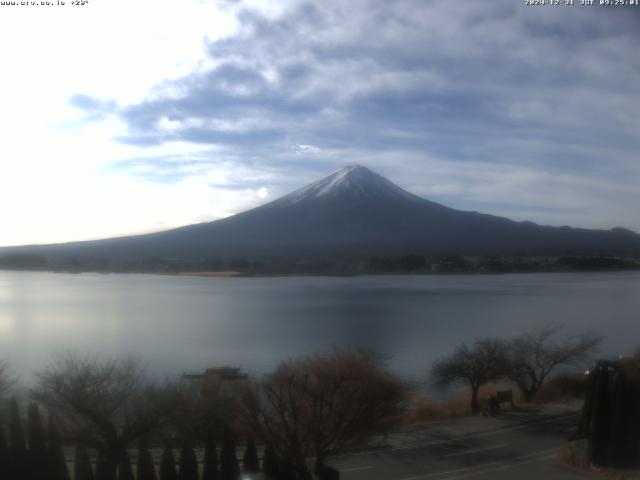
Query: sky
[[121, 117]]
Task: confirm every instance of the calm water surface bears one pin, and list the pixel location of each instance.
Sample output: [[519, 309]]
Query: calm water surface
[[175, 324]]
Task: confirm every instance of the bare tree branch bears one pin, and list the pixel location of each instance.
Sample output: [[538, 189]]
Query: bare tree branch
[[6, 379], [484, 361], [323, 404], [535, 354], [107, 404]]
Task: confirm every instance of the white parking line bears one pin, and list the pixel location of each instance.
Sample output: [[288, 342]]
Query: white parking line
[[500, 464], [356, 469], [475, 450], [489, 433], [497, 469]]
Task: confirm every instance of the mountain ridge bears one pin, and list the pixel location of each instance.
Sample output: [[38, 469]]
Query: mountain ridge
[[351, 212]]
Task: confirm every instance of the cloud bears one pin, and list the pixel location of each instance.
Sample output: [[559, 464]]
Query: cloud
[[529, 112], [305, 149], [86, 102], [387, 74], [263, 192]]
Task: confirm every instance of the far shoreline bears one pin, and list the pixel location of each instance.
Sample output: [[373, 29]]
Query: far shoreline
[[230, 274], [217, 274]]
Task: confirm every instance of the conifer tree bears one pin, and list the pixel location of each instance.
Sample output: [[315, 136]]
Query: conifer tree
[[17, 446], [188, 462], [168, 465], [103, 469], [125, 472], [4, 456], [37, 444], [270, 463], [145, 469], [56, 462], [601, 421], [250, 462], [287, 471], [82, 465], [210, 469], [229, 467]]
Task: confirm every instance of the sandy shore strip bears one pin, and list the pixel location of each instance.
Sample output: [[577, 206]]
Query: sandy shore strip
[[226, 273]]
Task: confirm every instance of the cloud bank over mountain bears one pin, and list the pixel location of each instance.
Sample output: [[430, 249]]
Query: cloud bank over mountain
[[523, 111]]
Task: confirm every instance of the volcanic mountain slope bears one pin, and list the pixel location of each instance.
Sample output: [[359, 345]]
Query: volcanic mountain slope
[[353, 211]]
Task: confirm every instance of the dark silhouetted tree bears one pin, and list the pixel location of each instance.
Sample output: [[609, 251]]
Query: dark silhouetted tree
[[18, 448], [82, 469], [168, 465], [229, 467], [104, 470], [250, 462], [610, 414], [4, 456], [6, 380], [202, 406], [188, 462], [210, 468], [323, 404], [125, 472], [37, 444], [535, 354], [5, 459], [482, 362], [57, 463], [109, 404], [145, 469], [287, 471], [270, 463]]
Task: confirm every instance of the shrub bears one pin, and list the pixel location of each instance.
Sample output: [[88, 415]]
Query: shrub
[[563, 388]]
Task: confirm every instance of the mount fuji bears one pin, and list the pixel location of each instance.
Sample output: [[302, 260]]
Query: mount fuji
[[352, 212]]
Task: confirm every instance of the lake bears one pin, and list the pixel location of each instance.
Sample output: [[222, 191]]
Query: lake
[[179, 323]]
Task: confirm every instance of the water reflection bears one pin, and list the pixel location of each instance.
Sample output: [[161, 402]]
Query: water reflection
[[180, 323]]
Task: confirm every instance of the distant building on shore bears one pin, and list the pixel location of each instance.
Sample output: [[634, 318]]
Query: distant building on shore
[[217, 373], [213, 380]]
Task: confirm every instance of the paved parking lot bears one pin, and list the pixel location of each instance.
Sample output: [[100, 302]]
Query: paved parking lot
[[514, 445]]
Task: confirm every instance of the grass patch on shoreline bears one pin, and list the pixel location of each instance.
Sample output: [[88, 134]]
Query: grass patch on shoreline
[[564, 388], [425, 409]]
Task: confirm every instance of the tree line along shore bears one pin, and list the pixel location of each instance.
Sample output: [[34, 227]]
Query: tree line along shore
[[338, 265]]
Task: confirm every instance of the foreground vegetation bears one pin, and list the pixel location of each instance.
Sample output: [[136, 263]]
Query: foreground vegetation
[[526, 361], [307, 410]]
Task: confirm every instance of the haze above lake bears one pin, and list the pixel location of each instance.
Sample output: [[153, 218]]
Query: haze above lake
[[177, 323]]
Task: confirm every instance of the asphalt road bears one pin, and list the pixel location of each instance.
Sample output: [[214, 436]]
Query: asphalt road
[[512, 446]]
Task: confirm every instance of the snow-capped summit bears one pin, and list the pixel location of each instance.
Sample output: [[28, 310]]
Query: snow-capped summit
[[354, 181]]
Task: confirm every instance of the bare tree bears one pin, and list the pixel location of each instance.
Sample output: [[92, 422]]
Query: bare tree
[[107, 405], [482, 362], [200, 412], [323, 404], [6, 380], [535, 354]]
